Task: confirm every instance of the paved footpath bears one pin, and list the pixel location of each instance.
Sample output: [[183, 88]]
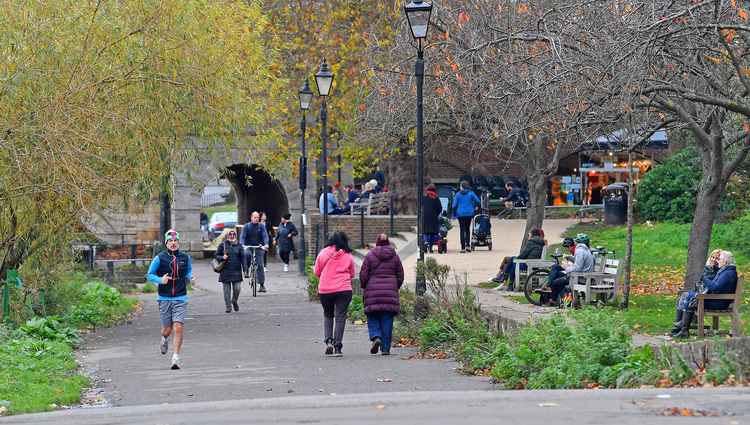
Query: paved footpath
[[271, 348]]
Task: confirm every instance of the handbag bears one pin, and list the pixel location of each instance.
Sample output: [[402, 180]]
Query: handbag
[[217, 265]]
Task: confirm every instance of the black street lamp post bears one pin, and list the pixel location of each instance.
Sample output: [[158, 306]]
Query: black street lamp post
[[418, 15], [305, 97], [323, 82]]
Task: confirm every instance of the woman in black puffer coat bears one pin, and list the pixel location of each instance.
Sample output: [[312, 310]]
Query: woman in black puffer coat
[[231, 275]]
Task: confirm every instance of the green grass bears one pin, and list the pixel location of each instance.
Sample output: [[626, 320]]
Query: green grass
[[37, 374], [659, 255], [228, 207], [488, 285], [39, 370]]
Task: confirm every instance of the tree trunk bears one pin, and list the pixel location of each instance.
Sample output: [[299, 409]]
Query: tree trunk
[[629, 237], [706, 206], [537, 200]]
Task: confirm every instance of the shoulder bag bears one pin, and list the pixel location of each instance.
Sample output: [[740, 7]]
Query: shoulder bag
[[217, 265]]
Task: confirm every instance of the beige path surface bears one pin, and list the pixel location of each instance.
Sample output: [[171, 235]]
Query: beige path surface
[[481, 265]]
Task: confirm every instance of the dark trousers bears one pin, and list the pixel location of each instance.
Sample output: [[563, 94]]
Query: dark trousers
[[465, 224], [380, 325], [231, 292], [557, 280], [335, 307], [285, 256]]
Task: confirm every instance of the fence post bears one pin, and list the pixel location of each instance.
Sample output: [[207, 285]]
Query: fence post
[[6, 301], [133, 250], [362, 227], [317, 239], [391, 212], [110, 271]]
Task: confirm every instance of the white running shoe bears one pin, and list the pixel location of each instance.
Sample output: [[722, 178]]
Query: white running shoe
[[265, 269], [176, 362], [286, 267], [164, 346]]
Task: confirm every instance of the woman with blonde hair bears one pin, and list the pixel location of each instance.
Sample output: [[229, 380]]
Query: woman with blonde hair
[[723, 282]]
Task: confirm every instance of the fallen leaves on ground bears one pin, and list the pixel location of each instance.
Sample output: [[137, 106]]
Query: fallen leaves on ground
[[406, 342], [686, 411], [651, 280], [429, 354]]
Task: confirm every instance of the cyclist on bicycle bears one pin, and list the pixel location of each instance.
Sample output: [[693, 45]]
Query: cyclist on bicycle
[[583, 262], [254, 233]]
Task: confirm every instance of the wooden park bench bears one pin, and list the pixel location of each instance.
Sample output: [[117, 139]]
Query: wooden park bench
[[601, 283], [733, 311], [375, 204]]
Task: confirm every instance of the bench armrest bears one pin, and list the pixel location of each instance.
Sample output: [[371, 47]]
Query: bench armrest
[[535, 261]]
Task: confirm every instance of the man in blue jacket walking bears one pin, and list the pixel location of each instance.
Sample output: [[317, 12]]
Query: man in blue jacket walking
[[465, 203]]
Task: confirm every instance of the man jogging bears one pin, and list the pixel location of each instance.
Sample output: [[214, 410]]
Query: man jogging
[[254, 233], [171, 270]]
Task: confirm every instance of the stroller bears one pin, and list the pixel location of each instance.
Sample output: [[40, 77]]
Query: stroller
[[481, 231], [445, 226]]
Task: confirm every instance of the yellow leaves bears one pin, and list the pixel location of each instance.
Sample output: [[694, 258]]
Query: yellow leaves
[[522, 9], [713, 59]]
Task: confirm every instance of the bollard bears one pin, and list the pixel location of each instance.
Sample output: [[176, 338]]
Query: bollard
[[133, 250], [110, 271], [392, 214]]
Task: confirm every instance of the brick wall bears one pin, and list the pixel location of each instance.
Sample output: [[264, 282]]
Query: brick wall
[[374, 225]]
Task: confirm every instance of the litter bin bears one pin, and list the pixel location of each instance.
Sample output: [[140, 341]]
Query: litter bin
[[615, 204]]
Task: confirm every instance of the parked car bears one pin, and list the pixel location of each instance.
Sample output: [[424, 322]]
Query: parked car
[[219, 221]]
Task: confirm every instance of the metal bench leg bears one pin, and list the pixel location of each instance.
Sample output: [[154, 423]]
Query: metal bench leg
[[701, 316], [715, 324]]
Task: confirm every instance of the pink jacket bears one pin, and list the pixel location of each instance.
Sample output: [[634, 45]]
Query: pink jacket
[[335, 270]]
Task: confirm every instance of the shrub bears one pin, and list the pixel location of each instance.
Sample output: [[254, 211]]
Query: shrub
[[312, 280], [149, 288], [667, 192], [100, 305], [357, 309], [49, 328]]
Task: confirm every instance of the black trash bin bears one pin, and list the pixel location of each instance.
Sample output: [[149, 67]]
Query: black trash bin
[[615, 204]]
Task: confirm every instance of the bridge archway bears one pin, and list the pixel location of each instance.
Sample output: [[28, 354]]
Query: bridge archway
[[256, 190]]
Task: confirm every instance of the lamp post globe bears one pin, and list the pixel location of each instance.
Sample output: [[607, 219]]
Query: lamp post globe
[[418, 15]]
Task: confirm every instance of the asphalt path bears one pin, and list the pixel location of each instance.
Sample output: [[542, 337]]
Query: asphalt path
[[580, 407], [272, 347]]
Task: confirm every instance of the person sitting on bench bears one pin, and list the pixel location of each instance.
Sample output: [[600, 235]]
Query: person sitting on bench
[[558, 275], [724, 282], [533, 250], [333, 206]]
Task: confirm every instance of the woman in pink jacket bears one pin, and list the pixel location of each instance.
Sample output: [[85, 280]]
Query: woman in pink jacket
[[335, 268]]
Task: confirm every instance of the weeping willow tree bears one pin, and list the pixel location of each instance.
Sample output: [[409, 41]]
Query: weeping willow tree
[[98, 97]]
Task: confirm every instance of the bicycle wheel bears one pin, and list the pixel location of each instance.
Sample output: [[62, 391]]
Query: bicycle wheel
[[254, 282], [535, 281]]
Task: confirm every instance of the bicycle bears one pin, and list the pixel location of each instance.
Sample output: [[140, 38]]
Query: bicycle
[[253, 267], [536, 280]]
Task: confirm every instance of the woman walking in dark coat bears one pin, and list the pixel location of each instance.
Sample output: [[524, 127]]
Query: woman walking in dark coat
[[287, 230], [231, 275], [381, 277], [431, 210]]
